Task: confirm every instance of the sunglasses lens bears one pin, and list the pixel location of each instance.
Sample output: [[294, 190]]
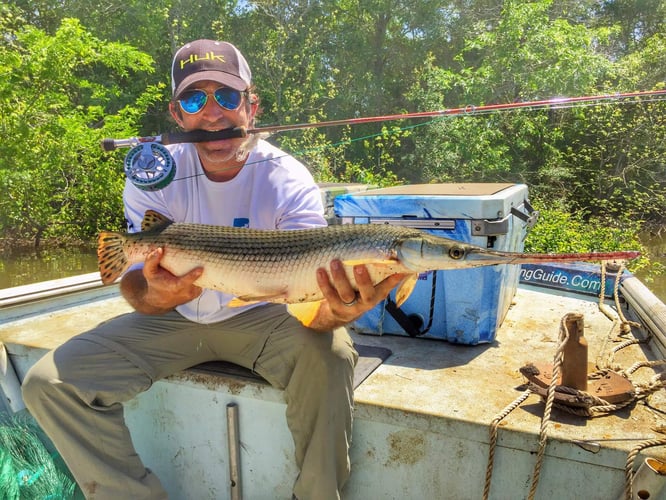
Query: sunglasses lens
[[228, 98], [193, 102]]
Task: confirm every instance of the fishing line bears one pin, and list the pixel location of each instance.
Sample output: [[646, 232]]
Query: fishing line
[[305, 152], [150, 167]]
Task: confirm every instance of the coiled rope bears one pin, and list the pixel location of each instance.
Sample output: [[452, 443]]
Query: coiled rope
[[593, 404]]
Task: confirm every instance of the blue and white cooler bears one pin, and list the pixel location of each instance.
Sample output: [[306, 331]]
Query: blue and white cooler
[[463, 306]]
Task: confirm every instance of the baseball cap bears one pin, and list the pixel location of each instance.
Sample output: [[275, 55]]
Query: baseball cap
[[200, 60]]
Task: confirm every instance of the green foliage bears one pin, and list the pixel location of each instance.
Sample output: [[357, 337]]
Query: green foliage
[[559, 230], [66, 83], [527, 55], [616, 156], [59, 96]]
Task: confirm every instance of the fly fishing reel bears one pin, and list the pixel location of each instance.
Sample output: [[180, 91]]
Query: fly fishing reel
[[150, 166]]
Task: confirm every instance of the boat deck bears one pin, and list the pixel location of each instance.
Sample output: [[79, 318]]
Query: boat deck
[[422, 418]]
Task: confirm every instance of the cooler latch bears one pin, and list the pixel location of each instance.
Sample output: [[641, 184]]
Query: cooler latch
[[496, 227], [485, 227]]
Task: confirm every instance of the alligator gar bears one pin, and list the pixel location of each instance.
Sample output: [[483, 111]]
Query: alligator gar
[[257, 265]]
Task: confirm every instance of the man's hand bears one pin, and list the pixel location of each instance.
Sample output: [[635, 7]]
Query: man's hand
[[343, 304], [154, 290]]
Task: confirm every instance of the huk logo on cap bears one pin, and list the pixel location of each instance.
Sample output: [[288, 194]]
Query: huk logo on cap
[[209, 56]]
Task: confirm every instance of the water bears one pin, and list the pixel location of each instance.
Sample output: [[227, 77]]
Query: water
[[30, 266], [657, 246]]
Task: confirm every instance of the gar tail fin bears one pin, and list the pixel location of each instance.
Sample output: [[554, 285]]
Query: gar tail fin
[[111, 257]]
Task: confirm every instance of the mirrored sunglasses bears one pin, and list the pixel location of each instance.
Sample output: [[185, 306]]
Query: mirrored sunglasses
[[193, 101]]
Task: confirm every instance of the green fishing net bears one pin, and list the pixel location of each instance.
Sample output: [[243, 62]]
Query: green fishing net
[[28, 471]]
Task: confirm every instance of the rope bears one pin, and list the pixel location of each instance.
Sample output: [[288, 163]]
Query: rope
[[631, 457], [494, 425], [550, 398], [643, 364], [618, 318], [591, 404], [595, 406], [625, 325]]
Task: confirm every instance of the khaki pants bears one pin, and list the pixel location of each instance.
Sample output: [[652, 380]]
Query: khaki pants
[[76, 392]]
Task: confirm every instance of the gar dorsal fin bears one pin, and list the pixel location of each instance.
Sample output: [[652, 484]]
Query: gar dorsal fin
[[154, 220]]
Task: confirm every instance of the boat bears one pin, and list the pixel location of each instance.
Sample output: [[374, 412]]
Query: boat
[[433, 419]]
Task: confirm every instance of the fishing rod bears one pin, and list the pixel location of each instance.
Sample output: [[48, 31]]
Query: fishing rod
[[466, 110], [150, 167]]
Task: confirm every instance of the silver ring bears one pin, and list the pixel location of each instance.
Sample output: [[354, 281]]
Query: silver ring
[[354, 300]]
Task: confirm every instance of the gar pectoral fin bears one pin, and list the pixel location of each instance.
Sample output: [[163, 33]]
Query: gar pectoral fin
[[111, 257], [275, 295], [405, 289], [238, 302], [371, 262], [247, 300], [305, 312]]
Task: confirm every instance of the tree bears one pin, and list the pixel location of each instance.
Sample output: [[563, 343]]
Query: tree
[[320, 60], [59, 95]]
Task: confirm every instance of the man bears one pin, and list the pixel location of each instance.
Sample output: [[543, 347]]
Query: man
[[76, 392]]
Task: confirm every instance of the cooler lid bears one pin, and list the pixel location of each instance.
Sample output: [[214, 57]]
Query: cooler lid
[[430, 201], [448, 189]]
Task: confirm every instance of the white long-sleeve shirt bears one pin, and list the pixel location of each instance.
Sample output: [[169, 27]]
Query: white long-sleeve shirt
[[272, 191]]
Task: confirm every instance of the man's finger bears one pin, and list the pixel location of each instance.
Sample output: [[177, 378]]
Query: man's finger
[[325, 284], [341, 282], [384, 287], [191, 276], [152, 263]]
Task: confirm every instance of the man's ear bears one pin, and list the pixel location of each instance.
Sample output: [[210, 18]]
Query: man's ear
[[175, 111], [253, 100]]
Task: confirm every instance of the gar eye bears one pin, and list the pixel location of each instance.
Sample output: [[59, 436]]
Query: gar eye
[[456, 253]]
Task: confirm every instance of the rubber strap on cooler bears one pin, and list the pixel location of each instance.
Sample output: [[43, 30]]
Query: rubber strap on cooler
[[402, 319], [405, 321]]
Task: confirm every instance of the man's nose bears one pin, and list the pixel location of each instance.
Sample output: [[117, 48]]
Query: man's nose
[[212, 109]]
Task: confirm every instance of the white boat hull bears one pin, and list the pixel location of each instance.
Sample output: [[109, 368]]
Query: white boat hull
[[422, 418]]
